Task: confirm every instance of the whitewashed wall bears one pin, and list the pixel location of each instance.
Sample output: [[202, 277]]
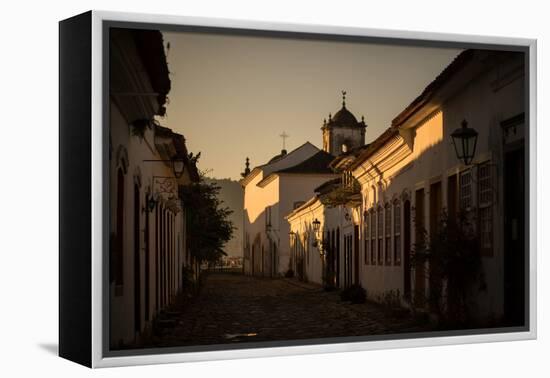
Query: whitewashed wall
[[122, 299], [279, 192], [485, 101]]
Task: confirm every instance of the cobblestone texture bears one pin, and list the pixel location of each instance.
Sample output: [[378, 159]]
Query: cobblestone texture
[[235, 308]]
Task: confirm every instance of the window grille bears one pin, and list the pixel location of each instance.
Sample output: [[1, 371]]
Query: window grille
[[485, 198], [466, 200]]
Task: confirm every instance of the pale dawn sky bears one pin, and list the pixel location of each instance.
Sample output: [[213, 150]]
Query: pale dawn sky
[[232, 96]]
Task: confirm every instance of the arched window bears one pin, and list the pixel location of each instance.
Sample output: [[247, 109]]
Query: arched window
[[344, 148]]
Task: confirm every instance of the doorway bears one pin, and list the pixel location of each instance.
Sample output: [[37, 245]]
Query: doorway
[[147, 267], [274, 262], [337, 256], [435, 274], [419, 269], [356, 253], [514, 237], [348, 253], [137, 270], [407, 250]]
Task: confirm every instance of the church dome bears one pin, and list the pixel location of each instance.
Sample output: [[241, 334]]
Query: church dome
[[344, 118]]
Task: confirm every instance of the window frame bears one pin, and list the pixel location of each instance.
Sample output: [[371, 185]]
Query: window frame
[[380, 234], [388, 234], [372, 238], [366, 241], [397, 232], [485, 206], [461, 190]]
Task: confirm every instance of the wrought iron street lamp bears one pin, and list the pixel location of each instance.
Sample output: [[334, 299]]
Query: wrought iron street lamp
[[316, 225], [465, 141], [151, 200], [178, 166], [318, 242]]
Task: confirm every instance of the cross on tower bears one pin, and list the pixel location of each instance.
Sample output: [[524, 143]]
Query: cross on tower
[[284, 135]]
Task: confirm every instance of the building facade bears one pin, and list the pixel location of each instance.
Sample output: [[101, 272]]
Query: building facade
[[287, 181], [147, 229], [270, 192], [410, 181], [336, 209]]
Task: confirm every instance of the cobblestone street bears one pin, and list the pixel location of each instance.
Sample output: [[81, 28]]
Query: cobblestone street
[[234, 308]]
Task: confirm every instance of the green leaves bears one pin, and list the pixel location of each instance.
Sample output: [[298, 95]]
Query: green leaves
[[208, 224]]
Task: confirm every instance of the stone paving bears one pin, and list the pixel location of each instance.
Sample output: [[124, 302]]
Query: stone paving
[[236, 308]]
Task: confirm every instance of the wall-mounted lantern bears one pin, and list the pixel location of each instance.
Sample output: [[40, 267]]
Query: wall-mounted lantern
[[316, 225], [465, 141], [151, 201], [178, 166], [318, 242]]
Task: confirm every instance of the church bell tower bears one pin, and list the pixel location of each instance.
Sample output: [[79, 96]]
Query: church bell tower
[[343, 132]]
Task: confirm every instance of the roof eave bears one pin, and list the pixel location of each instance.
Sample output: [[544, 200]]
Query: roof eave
[[374, 146], [246, 180]]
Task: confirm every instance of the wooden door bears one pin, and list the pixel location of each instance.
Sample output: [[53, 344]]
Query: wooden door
[[435, 275], [515, 258], [407, 249], [356, 253], [147, 267], [419, 281], [137, 270], [435, 207], [337, 249]]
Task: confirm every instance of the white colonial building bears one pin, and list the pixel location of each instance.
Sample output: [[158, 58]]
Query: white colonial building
[[410, 175], [326, 255], [273, 190], [147, 229]]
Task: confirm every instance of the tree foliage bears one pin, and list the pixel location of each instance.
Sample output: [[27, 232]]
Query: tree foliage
[[208, 224]]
